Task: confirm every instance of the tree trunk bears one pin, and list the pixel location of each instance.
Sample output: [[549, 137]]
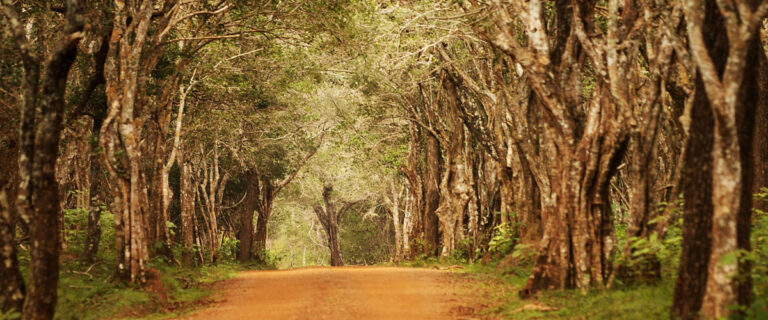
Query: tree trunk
[[187, 198], [732, 101], [761, 133], [12, 287], [334, 245], [454, 184], [38, 197], [433, 163], [265, 211], [412, 223], [642, 208], [751, 100], [11, 280], [246, 222], [578, 237], [697, 190], [396, 222], [330, 217], [93, 231], [525, 200], [120, 134]]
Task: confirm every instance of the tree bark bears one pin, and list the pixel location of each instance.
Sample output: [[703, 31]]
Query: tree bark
[[11, 280], [93, 231], [731, 96], [187, 197], [433, 163], [397, 224], [38, 196], [412, 223], [246, 222], [265, 212], [697, 209], [761, 132], [697, 186], [454, 183], [120, 134]]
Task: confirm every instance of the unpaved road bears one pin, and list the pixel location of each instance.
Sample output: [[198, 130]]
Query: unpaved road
[[337, 293]]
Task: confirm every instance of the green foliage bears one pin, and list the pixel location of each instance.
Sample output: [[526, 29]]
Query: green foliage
[[503, 239], [462, 253], [10, 315], [268, 259], [363, 238], [228, 248], [646, 252], [88, 292], [75, 222], [498, 292], [758, 257]]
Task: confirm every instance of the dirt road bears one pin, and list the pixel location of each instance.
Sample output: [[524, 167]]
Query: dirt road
[[337, 293]]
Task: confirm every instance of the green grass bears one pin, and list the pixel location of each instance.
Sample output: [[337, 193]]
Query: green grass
[[500, 296], [95, 296], [497, 292]]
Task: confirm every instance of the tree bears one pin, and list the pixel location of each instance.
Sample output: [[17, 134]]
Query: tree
[[37, 202], [721, 59], [330, 217]]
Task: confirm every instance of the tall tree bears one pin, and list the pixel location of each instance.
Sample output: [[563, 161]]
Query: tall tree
[[721, 55], [37, 202]]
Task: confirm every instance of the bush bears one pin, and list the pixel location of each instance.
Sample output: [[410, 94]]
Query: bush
[[759, 259], [503, 240]]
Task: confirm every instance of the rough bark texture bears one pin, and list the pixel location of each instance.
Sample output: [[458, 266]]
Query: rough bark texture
[[119, 134], [761, 132], [38, 196], [731, 94], [397, 223], [697, 188], [697, 214], [433, 163], [750, 100], [455, 178]]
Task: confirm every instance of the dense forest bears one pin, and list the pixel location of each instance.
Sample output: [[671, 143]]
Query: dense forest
[[599, 144]]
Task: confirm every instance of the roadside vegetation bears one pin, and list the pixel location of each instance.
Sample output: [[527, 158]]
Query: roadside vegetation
[[495, 280]]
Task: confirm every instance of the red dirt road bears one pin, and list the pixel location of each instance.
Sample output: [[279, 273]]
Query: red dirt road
[[336, 293]]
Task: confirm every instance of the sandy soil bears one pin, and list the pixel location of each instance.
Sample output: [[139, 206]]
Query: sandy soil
[[337, 293]]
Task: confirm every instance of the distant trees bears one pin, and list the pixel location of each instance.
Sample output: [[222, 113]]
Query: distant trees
[[330, 215]]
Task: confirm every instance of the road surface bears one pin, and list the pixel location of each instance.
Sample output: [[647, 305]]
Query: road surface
[[337, 293]]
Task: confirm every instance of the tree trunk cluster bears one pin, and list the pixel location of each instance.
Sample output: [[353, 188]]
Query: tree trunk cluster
[[579, 125]]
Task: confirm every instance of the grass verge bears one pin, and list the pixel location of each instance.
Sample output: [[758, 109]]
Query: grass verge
[[87, 292]]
